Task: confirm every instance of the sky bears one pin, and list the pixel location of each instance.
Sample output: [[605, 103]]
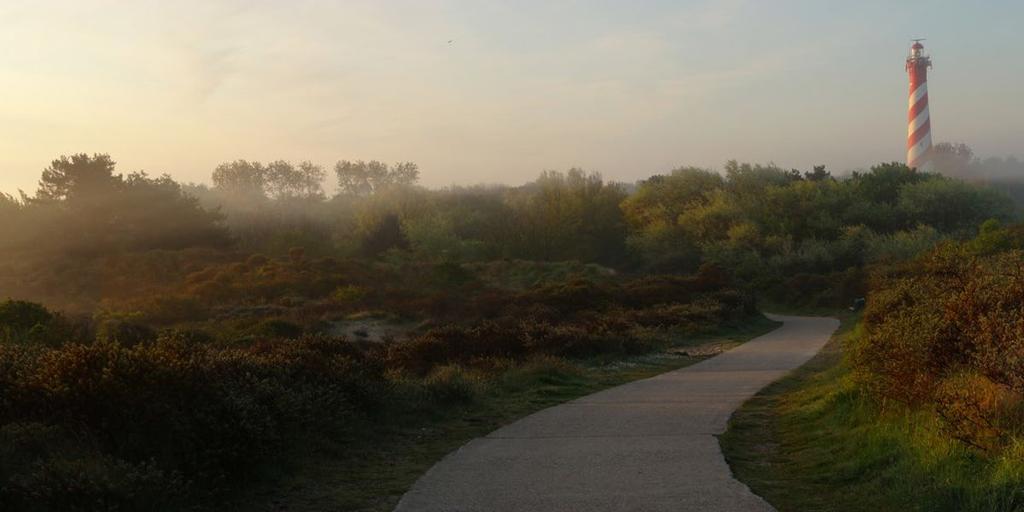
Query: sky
[[624, 88]]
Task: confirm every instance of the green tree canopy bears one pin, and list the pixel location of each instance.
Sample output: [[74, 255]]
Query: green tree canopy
[[361, 178], [78, 176]]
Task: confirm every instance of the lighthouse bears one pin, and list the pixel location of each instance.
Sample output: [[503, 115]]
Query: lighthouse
[[919, 127]]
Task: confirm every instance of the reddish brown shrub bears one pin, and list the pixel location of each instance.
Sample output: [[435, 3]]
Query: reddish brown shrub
[[948, 333]]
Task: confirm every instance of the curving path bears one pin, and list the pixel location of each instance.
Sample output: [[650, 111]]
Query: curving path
[[649, 445]]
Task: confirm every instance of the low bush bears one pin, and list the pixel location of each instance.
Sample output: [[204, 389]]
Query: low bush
[[163, 400], [179, 407], [124, 332], [27, 322], [450, 384], [277, 328], [43, 467], [946, 333], [21, 316]]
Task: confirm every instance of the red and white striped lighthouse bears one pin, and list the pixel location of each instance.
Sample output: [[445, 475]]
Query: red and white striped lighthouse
[[919, 128]]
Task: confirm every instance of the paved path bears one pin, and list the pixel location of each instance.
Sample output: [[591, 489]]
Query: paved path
[[648, 445]]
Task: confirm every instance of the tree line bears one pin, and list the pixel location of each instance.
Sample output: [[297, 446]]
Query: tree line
[[776, 230]]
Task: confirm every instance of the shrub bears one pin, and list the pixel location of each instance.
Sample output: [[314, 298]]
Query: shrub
[[124, 332], [450, 384], [168, 309], [21, 316], [277, 328], [569, 340], [455, 344], [706, 312], [348, 294], [951, 205], [45, 468], [176, 406], [979, 411], [91, 484], [27, 322], [947, 332]]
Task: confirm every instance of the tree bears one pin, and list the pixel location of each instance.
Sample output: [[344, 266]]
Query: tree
[[950, 205], [241, 177], [662, 199], [665, 233], [279, 179], [803, 209], [156, 213], [364, 178], [565, 216], [383, 234], [12, 212], [751, 180], [818, 174], [284, 180], [404, 174], [1009, 168], [79, 176], [9, 203], [882, 184], [952, 159], [82, 208]]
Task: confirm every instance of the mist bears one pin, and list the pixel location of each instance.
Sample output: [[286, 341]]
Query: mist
[[288, 255], [624, 91]]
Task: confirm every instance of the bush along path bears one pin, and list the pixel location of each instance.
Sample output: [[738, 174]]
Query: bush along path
[[647, 445]]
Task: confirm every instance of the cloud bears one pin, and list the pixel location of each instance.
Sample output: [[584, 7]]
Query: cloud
[[201, 44], [711, 15], [741, 73], [207, 68]]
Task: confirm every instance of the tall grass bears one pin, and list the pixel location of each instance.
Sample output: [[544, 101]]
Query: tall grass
[[817, 441]]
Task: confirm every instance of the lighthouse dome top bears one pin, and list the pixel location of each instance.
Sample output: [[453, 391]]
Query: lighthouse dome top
[[917, 51]]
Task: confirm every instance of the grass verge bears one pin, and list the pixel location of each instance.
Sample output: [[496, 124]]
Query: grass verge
[[371, 471], [812, 441]]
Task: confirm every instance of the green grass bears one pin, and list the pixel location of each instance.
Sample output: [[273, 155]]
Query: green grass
[[813, 441], [371, 471]]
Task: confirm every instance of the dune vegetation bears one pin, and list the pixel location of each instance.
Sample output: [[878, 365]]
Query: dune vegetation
[[918, 404], [168, 346]]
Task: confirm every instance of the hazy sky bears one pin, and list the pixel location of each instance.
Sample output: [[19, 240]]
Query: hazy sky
[[626, 88]]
